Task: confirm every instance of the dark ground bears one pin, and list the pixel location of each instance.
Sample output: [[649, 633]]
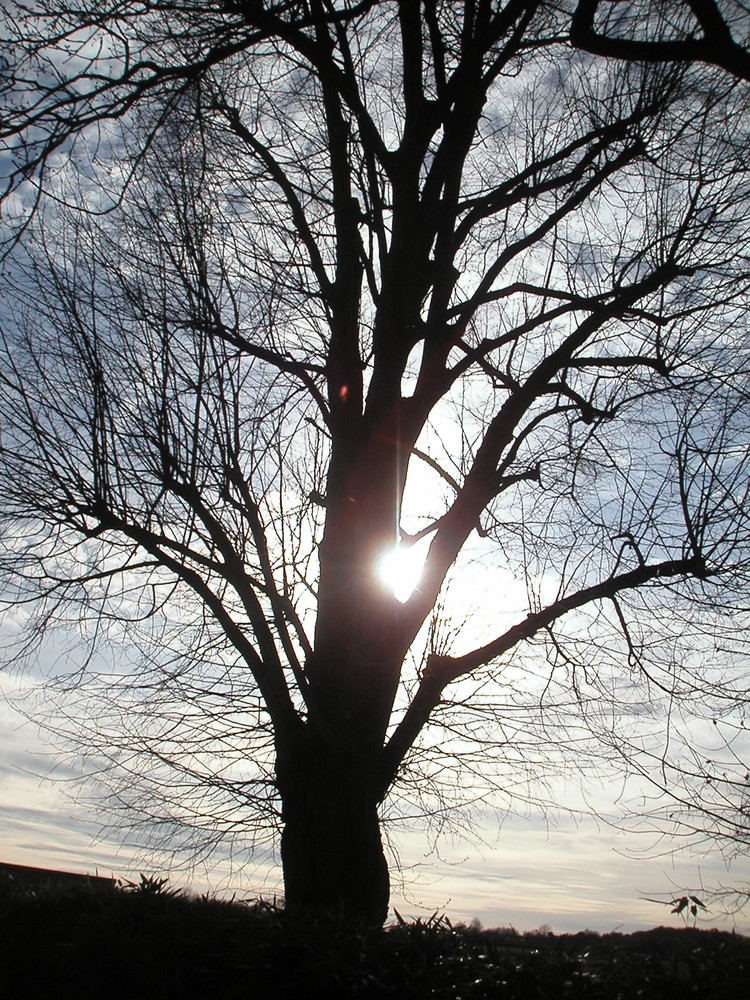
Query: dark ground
[[79, 938]]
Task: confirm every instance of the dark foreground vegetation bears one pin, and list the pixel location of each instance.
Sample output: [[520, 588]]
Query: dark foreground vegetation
[[95, 940]]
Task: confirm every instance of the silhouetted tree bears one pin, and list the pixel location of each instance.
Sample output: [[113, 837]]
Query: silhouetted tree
[[292, 284]]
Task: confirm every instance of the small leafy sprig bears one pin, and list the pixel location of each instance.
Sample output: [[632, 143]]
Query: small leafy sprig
[[682, 904], [686, 906]]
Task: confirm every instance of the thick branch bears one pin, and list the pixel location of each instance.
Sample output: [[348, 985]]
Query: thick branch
[[443, 670], [481, 482], [716, 47]]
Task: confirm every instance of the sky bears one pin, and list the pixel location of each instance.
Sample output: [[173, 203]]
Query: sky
[[563, 873]]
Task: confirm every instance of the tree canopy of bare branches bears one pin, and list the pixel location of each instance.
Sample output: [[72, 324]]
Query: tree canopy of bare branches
[[291, 285]]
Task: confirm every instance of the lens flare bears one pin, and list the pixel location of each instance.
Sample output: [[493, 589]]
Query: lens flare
[[400, 569]]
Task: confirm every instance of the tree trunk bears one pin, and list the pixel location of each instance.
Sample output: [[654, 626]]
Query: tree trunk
[[331, 850]]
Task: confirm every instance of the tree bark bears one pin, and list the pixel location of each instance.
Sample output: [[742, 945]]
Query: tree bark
[[331, 850]]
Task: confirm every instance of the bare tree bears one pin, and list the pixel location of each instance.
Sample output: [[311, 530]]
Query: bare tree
[[293, 285]]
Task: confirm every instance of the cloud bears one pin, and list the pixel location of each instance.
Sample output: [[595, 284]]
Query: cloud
[[572, 875]]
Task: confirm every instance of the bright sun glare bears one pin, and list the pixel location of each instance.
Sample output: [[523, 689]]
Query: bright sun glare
[[400, 568]]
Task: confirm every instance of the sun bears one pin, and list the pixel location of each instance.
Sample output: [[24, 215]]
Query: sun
[[400, 569]]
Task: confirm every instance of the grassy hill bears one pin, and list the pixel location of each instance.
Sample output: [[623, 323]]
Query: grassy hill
[[80, 938]]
